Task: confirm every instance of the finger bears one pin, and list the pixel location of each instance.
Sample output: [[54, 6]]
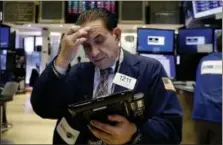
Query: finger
[[104, 127], [100, 134], [117, 118], [72, 30], [79, 41], [80, 33]]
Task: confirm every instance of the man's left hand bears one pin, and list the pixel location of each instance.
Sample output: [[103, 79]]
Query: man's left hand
[[121, 133]]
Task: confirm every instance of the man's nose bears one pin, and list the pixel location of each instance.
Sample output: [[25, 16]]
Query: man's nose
[[95, 51]]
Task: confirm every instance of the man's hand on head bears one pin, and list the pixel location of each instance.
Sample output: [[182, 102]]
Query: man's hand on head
[[70, 44], [121, 133]]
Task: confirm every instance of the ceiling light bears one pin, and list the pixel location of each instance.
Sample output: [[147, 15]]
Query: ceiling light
[[61, 25], [29, 25]]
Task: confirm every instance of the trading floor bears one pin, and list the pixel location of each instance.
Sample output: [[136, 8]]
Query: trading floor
[[157, 48], [28, 128]]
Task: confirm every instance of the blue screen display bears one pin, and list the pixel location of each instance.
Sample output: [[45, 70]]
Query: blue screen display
[[206, 8], [4, 37], [195, 41], [3, 57], [154, 40], [168, 62], [217, 32]]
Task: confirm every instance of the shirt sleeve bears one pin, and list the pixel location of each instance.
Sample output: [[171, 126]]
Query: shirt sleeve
[[59, 71], [164, 113]]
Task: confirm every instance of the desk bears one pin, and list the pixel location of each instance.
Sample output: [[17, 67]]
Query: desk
[[188, 89], [185, 96]]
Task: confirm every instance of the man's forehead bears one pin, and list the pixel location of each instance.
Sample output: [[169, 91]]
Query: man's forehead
[[95, 32], [96, 25], [94, 22]]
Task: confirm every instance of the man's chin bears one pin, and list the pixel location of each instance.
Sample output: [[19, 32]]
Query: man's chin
[[102, 65]]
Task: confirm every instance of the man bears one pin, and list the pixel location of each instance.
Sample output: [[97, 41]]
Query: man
[[207, 110], [34, 76], [60, 85], [78, 59]]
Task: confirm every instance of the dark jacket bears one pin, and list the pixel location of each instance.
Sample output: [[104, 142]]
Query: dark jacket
[[208, 91], [163, 123]]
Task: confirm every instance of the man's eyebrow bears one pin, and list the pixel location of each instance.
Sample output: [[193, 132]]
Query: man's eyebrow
[[98, 36]]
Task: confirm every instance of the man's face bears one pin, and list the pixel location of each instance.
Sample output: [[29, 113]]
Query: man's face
[[101, 46]]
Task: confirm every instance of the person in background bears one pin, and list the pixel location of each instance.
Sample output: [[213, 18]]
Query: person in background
[[78, 59], [207, 107], [34, 76], [61, 84]]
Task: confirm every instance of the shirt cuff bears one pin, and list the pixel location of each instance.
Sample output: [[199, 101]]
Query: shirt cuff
[[59, 71]]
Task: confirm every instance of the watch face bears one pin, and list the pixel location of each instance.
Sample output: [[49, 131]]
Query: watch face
[[137, 137]]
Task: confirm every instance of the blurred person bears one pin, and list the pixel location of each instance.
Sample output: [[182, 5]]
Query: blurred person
[[60, 85], [207, 107], [34, 76], [78, 59]]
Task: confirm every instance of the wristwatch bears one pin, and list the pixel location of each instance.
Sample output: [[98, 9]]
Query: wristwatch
[[137, 137]]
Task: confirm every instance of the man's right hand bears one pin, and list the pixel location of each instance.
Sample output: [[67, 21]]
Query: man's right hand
[[70, 44]]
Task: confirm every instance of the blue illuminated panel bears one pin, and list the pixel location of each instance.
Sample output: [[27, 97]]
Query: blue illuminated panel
[[193, 41], [155, 40], [206, 8], [4, 37]]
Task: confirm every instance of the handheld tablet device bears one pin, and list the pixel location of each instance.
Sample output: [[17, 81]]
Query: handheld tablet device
[[122, 103]]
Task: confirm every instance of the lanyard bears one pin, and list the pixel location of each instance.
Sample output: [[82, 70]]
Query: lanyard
[[117, 68]]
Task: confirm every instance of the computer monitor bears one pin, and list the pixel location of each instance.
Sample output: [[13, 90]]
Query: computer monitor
[[74, 8], [3, 55], [206, 8], [155, 40], [217, 32], [4, 37], [191, 41], [168, 62]]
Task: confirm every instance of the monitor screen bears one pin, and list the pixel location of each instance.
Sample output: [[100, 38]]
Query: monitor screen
[[217, 32], [77, 7], [74, 8], [206, 8], [195, 41], [4, 37], [168, 62], [155, 40], [3, 60]]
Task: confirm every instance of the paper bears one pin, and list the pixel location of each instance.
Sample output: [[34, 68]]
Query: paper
[[124, 81], [211, 67], [68, 134]]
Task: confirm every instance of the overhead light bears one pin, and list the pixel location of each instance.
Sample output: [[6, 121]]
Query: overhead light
[[29, 25], [61, 25], [144, 26], [135, 27]]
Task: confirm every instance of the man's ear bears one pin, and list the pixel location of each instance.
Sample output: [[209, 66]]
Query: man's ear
[[117, 32]]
